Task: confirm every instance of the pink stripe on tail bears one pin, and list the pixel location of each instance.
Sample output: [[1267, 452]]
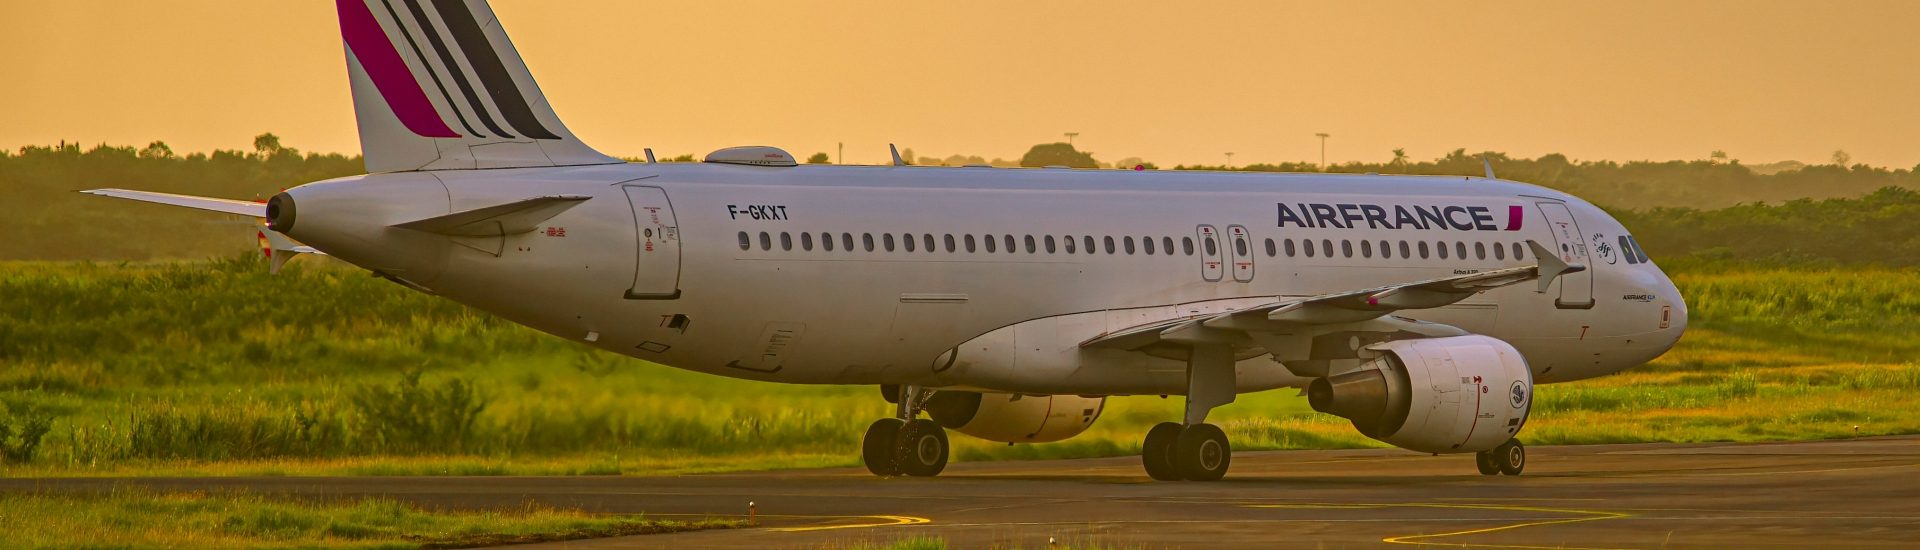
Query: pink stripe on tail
[[389, 73]]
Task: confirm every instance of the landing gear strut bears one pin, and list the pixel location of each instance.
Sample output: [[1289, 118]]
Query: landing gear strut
[[1509, 458], [905, 445], [1195, 450]]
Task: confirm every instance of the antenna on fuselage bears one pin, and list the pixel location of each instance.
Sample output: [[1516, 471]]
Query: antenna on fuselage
[[896, 155], [1488, 165]]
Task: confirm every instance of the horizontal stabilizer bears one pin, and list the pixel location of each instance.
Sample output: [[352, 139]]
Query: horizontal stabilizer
[[244, 208], [501, 219]]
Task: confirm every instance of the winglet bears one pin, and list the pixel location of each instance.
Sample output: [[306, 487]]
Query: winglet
[[1550, 266], [1488, 165], [896, 155]]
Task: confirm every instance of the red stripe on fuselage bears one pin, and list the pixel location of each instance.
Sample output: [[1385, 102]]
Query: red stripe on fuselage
[[389, 73]]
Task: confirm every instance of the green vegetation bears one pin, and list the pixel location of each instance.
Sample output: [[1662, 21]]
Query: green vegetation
[[219, 368], [137, 518]]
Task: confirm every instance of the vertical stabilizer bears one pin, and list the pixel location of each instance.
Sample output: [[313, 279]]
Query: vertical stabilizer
[[437, 86]]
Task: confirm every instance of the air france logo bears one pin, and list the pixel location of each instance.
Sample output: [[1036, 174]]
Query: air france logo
[[1374, 216], [1518, 394]]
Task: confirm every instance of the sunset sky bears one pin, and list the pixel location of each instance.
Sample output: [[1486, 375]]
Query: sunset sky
[[1173, 82]]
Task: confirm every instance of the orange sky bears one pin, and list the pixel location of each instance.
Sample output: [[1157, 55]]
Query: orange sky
[[1174, 82]]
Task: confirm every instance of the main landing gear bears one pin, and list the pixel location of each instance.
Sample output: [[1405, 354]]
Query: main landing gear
[[905, 445], [1509, 458], [1195, 450]]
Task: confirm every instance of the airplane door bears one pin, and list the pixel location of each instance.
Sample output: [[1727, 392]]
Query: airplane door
[[1241, 245], [1211, 265], [1576, 289], [656, 270]]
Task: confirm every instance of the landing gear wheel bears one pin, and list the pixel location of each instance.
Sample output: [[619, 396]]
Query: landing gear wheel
[[922, 448], [877, 448], [1201, 453], [1484, 461], [1511, 457], [1157, 452]]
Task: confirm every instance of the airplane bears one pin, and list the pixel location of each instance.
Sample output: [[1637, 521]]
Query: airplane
[[1005, 304]]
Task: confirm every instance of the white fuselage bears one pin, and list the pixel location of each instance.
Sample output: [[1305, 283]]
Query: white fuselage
[[728, 269]]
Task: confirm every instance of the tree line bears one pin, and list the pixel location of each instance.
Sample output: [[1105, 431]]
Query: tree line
[[1710, 208]]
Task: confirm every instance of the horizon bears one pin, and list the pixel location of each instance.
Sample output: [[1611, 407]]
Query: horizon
[[1765, 82]]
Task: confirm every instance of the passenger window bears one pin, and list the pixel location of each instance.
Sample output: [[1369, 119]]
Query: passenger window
[[1186, 245], [1088, 241], [1213, 249], [906, 240], [1288, 244], [1129, 242], [1423, 250], [1240, 248], [969, 244], [846, 240], [1366, 249], [826, 241], [867, 239], [1326, 247], [1308, 245], [927, 240], [1460, 250], [1271, 249], [1146, 244], [1030, 247], [1403, 250], [1346, 248], [786, 241], [806, 242], [887, 239], [746, 243], [1069, 242], [1480, 251], [766, 241], [1010, 248], [1440, 248], [990, 243], [1109, 241], [1050, 248], [1519, 253], [1499, 252]]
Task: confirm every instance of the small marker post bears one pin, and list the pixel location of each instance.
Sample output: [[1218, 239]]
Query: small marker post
[[753, 514]]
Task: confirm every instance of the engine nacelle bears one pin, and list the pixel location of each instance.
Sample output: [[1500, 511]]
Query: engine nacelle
[[1438, 395], [1014, 418]]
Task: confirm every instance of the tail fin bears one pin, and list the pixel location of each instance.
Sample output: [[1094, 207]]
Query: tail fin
[[437, 86]]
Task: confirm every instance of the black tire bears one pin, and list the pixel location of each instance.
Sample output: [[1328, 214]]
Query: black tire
[[1511, 456], [1484, 461], [1157, 452], [877, 448], [1202, 453], [921, 449]]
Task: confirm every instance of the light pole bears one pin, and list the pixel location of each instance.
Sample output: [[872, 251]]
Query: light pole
[[841, 157], [1229, 160], [1070, 136], [1323, 150]]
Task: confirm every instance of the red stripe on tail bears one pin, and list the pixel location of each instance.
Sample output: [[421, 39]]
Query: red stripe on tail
[[389, 73]]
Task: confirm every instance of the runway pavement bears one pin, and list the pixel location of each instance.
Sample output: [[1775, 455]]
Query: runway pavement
[[1838, 494]]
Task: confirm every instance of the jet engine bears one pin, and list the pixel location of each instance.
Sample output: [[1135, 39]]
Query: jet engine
[[1014, 418], [1438, 395]]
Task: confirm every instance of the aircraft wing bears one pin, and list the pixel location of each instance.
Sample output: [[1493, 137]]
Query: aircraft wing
[[1246, 327], [244, 208]]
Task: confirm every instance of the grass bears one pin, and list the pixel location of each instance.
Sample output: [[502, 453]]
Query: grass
[[216, 368], [140, 518]]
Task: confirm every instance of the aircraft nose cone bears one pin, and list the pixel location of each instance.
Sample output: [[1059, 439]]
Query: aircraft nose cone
[[1676, 315]]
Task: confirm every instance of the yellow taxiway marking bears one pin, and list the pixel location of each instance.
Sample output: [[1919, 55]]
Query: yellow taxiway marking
[[1429, 538], [884, 521]]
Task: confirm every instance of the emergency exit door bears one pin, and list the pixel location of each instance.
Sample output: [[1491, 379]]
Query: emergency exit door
[[656, 269]]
